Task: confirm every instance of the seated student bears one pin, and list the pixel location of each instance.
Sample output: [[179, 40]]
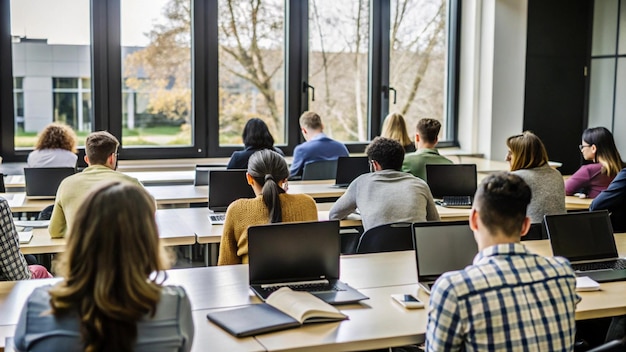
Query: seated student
[[112, 297], [510, 299], [613, 199], [55, 147], [267, 175], [394, 127], [426, 139], [101, 156], [599, 147], [528, 159], [13, 265], [317, 146], [256, 136], [387, 194]]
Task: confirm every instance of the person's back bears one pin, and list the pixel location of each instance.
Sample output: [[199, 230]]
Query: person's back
[[613, 199], [426, 139], [318, 146], [509, 299], [256, 136], [101, 148]]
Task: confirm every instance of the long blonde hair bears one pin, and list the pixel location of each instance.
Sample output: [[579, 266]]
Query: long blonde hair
[[527, 151], [110, 267], [394, 127]]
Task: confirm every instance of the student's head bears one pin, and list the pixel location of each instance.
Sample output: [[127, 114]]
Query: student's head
[[598, 145], [387, 153], [268, 170], [427, 131], [499, 208], [110, 266], [310, 124], [257, 135], [101, 149], [394, 127], [57, 136], [526, 151]]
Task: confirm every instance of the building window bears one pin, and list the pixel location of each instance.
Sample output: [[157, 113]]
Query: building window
[[72, 102], [18, 103]]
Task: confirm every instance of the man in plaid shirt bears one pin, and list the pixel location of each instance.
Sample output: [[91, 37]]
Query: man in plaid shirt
[[509, 299]]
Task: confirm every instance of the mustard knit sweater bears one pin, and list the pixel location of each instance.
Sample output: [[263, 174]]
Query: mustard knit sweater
[[243, 213]]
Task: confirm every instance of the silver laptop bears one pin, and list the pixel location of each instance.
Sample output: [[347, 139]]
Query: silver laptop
[[303, 256], [586, 239], [42, 183], [454, 184], [225, 187], [441, 247]]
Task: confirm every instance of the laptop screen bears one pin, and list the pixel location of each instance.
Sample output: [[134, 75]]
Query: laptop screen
[[226, 186], [287, 252], [582, 235], [441, 247], [349, 168], [44, 181], [451, 179]]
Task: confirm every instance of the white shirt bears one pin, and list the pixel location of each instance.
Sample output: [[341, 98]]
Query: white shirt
[[52, 158]]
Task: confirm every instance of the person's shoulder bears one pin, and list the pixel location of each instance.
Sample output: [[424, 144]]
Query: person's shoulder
[[297, 197], [173, 293], [39, 299], [560, 264]]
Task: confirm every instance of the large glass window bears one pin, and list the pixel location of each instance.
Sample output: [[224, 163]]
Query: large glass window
[[156, 73], [50, 41], [251, 67], [338, 66], [417, 60]]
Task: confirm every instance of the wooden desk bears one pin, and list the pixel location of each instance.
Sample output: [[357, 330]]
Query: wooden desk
[[575, 203]]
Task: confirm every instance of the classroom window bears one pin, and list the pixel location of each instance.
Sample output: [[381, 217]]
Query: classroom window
[[18, 102], [72, 102]]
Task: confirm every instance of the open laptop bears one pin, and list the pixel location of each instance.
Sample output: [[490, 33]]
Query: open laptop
[[349, 168], [454, 184], [441, 247], [303, 256], [586, 239], [43, 182], [225, 187]]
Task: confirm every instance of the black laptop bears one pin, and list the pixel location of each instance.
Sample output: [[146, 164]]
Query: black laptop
[[441, 247], [586, 239], [225, 187], [454, 184], [349, 168], [303, 256], [43, 182]]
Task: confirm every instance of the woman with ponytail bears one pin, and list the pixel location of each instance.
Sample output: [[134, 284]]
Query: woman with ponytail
[[112, 297], [267, 175]]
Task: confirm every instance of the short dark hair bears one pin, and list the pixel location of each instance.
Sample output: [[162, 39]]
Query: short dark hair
[[428, 129], [257, 135], [311, 120], [501, 201], [99, 145], [387, 152]]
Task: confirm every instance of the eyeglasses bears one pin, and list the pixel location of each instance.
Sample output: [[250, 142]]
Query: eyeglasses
[[583, 146]]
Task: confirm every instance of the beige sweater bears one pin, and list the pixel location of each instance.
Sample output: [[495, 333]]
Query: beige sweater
[[244, 213]]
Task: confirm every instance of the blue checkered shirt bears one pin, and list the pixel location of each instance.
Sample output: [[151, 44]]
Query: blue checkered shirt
[[12, 263], [508, 300]]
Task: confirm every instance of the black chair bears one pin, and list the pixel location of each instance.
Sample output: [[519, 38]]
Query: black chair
[[386, 238], [320, 170], [611, 346], [2, 188], [46, 213], [201, 177], [537, 231]]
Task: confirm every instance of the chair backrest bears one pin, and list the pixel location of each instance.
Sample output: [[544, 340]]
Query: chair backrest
[[2, 188], [320, 170], [537, 231], [611, 346], [386, 238]]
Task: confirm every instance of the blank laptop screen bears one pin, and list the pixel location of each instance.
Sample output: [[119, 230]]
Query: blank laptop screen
[[349, 168], [287, 252], [582, 235], [451, 179], [44, 182], [443, 246], [226, 186]]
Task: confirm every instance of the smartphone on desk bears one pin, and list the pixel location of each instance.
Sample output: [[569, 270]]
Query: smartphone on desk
[[408, 301]]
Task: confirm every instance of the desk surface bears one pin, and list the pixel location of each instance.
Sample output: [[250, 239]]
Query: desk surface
[[374, 323]]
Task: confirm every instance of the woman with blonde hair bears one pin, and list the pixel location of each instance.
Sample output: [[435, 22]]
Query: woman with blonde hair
[[394, 127], [112, 297], [267, 175], [528, 159], [55, 147], [597, 146]]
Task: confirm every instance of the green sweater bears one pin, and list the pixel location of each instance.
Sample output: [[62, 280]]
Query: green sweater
[[415, 163], [74, 189]]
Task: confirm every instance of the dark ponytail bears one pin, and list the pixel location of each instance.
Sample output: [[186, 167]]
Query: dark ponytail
[[267, 168]]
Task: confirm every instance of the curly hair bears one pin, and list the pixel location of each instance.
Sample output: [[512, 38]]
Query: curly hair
[[57, 136], [387, 152]]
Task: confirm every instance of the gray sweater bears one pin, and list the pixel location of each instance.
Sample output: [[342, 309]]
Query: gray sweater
[[387, 196], [548, 191]]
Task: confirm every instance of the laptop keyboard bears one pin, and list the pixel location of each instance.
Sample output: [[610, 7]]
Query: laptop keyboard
[[306, 287], [457, 201], [217, 217], [610, 265]]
